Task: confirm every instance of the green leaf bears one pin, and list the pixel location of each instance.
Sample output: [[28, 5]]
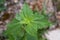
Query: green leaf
[[26, 11], [2, 7], [29, 37], [31, 29], [11, 37], [14, 29], [2, 1]]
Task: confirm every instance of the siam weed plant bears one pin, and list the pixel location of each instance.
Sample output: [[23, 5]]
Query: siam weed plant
[[27, 25]]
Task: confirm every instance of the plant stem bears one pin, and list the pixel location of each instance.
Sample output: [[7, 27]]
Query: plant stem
[[38, 34], [24, 36]]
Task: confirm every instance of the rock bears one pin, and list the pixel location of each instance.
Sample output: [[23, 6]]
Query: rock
[[53, 35]]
